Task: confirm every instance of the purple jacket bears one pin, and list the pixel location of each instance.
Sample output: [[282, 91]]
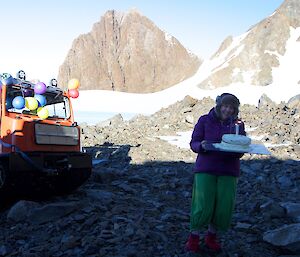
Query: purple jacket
[[210, 128]]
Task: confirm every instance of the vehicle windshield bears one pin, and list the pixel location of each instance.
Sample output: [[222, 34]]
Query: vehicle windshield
[[57, 104]]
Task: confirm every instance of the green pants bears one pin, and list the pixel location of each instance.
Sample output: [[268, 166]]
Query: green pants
[[213, 201]]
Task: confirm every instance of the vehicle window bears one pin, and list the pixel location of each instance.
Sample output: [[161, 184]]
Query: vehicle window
[[57, 104]]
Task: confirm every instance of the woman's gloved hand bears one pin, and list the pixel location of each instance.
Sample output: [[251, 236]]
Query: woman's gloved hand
[[203, 145]]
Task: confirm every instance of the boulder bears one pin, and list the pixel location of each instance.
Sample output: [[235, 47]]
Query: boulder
[[21, 210], [287, 237], [294, 102], [53, 211], [272, 209], [264, 102], [292, 210], [101, 196], [35, 213]]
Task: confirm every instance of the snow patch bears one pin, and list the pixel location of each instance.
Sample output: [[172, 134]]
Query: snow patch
[[182, 140], [227, 61], [272, 14], [277, 145], [272, 53], [256, 137], [168, 38], [247, 77], [250, 129], [235, 72], [286, 75]]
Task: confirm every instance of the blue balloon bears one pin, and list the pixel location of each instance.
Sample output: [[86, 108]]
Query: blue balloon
[[18, 102], [8, 102], [41, 100]]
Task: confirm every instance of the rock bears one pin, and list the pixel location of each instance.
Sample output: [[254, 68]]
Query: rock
[[69, 242], [272, 209], [264, 101], [104, 176], [248, 170], [4, 251], [285, 182], [102, 196], [242, 226], [292, 210], [287, 237], [79, 217], [289, 256], [127, 188], [21, 210], [256, 166], [138, 179], [127, 52], [294, 102], [114, 121], [52, 211], [121, 153], [189, 119]]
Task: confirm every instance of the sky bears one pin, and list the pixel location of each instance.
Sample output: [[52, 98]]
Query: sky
[[36, 35]]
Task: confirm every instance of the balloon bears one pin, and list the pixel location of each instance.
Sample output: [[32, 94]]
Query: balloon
[[74, 93], [7, 79], [73, 84], [41, 100], [43, 113], [40, 88], [31, 103], [8, 102], [28, 92], [18, 102]]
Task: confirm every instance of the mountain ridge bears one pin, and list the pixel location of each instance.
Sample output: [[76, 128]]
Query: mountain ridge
[[261, 47], [127, 52]]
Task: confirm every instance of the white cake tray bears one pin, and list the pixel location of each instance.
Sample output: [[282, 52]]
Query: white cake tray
[[253, 149]]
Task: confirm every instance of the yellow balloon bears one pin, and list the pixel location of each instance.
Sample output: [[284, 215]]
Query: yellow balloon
[[31, 103], [73, 84], [43, 113]]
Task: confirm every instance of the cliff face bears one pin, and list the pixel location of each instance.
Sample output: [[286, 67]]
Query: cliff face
[[251, 57], [127, 52]]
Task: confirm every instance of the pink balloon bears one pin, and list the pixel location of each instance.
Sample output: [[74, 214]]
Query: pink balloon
[[74, 93]]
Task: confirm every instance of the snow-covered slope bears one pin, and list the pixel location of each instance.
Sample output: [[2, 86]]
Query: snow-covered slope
[[251, 59], [285, 85], [285, 74]]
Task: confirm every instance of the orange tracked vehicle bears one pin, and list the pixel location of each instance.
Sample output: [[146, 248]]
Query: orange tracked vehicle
[[39, 157]]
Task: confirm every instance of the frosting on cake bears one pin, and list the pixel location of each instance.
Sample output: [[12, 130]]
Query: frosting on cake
[[234, 142], [236, 139]]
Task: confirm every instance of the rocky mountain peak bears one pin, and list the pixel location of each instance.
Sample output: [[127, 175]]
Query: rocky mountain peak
[[291, 9], [126, 51], [252, 57]]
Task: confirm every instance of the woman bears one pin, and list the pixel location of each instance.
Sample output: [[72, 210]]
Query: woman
[[216, 173]]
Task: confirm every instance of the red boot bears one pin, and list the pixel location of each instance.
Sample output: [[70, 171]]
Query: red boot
[[192, 245], [212, 243]]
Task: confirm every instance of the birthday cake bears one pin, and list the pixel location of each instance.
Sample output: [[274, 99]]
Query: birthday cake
[[234, 143]]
